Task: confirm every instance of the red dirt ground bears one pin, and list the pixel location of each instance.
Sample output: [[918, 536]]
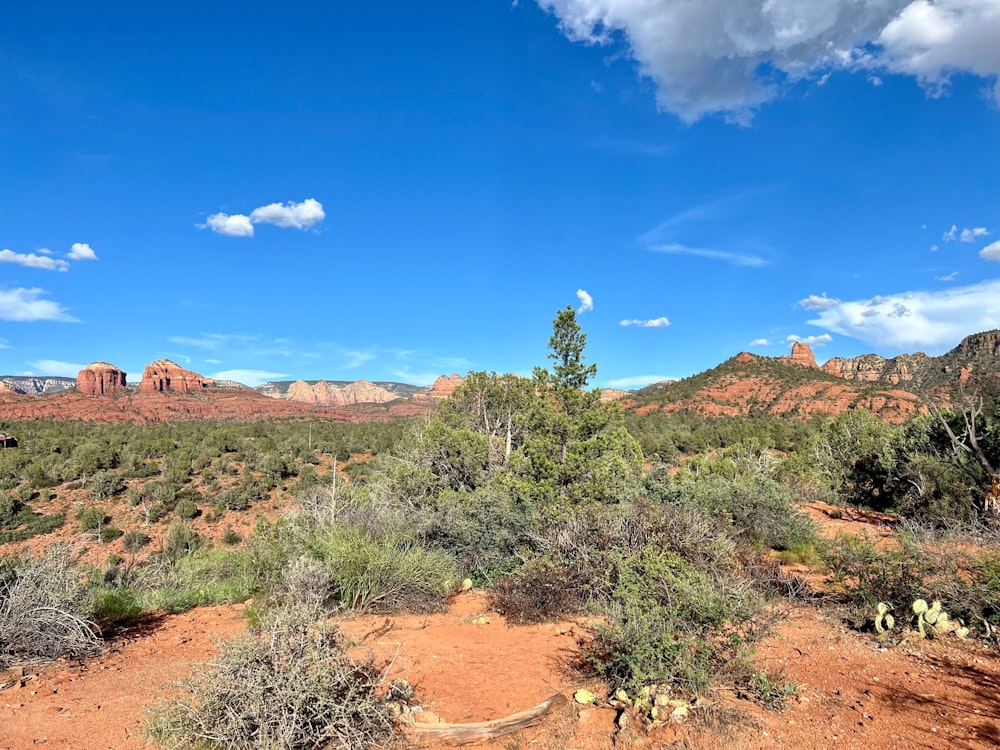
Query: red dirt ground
[[852, 693]]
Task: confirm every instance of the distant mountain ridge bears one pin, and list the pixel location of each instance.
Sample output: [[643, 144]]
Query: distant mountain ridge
[[33, 385], [796, 386]]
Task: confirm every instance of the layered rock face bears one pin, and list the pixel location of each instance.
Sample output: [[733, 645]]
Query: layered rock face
[[330, 394], [871, 368], [100, 379], [987, 342], [445, 385], [165, 376], [802, 355]]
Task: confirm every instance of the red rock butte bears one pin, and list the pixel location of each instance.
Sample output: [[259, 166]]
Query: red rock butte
[[100, 379], [164, 376]]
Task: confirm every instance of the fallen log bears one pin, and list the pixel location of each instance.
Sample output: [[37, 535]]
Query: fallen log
[[488, 730]]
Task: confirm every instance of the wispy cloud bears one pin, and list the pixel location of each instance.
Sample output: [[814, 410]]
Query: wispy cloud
[[638, 381], [586, 301], [817, 302], [968, 234], [948, 277], [292, 215], [652, 323], [926, 320], [57, 369], [26, 305], [213, 340], [252, 378], [760, 342], [736, 259], [81, 251], [30, 260]]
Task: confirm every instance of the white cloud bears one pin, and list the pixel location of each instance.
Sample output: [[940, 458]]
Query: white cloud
[[927, 320], [991, 251], [737, 259], [823, 338], [653, 323], [30, 260], [586, 301], [25, 305], [213, 340], [302, 215], [947, 277], [57, 369], [971, 235], [295, 215], [231, 225], [638, 381], [760, 342], [934, 248], [81, 251], [930, 41], [817, 302], [416, 378], [968, 234], [731, 56], [249, 377]]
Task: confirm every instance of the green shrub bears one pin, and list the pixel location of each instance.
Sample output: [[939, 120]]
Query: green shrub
[[135, 541], [92, 519], [231, 537], [181, 540], [105, 484], [115, 606], [186, 510], [289, 684], [109, 533], [756, 505], [384, 575]]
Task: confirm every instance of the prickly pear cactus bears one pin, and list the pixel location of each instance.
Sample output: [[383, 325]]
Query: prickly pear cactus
[[884, 621]]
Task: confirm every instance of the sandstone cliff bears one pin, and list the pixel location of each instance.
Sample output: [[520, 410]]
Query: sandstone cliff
[[100, 379], [330, 394], [165, 376]]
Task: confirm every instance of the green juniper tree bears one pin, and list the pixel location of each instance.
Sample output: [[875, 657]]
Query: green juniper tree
[[575, 448]]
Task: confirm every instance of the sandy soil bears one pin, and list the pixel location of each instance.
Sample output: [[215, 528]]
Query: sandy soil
[[468, 665]]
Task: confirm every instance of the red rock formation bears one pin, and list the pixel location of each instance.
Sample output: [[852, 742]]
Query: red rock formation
[[445, 385], [744, 357], [330, 394], [612, 394], [802, 355], [100, 379], [163, 375]]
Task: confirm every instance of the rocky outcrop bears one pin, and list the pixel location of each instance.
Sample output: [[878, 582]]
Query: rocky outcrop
[[612, 394], [987, 342], [802, 355], [871, 368], [330, 394], [100, 379], [164, 376], [445, 385]]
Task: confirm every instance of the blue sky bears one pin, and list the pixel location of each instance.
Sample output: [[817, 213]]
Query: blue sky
[[392, 191]]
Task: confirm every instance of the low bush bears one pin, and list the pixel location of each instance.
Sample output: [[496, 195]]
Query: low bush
[[288, 684], [112, 607], [541, 590], [43, 609]]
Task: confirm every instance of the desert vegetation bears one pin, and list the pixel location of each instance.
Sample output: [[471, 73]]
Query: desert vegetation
[[666, 531]]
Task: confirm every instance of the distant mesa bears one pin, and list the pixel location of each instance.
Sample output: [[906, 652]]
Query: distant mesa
[[101, 379], [164, 376], [325, 393]]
